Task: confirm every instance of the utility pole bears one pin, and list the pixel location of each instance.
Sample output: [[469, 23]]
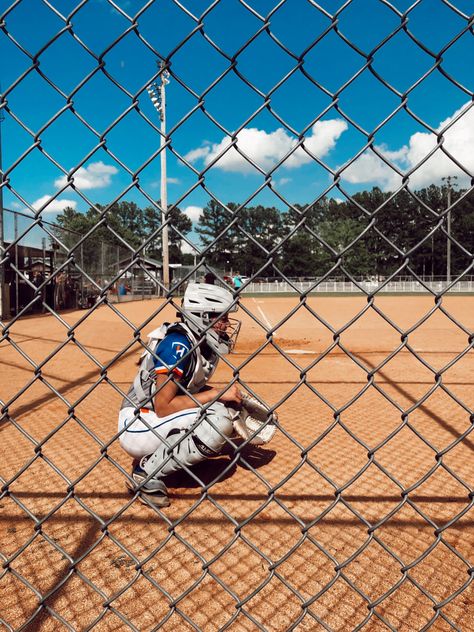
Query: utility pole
[[157, 95], [448, 227]]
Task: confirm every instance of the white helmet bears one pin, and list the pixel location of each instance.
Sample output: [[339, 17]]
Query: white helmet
[[203, 304]]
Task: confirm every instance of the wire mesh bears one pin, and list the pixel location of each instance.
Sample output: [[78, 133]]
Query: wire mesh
[[48, 270]]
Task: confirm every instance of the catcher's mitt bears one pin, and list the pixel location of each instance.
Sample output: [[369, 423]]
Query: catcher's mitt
[[255, 423]]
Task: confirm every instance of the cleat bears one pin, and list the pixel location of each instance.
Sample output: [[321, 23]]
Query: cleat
[[153, 492]]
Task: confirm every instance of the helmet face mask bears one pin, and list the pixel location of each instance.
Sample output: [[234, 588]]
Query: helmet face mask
[[222, 332], [205, 310]]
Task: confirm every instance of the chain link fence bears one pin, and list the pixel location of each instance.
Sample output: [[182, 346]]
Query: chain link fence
[[361, 517]]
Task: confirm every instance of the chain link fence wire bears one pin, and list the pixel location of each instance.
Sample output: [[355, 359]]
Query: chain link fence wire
[[361, 518]]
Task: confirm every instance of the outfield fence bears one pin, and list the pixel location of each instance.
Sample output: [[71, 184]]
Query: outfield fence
[[341, 286], [106, 270]]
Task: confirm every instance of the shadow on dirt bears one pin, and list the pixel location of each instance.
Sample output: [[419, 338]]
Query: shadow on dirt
[[223, 467]]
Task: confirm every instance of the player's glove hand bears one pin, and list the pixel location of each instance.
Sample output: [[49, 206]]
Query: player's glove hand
[[255, 423]]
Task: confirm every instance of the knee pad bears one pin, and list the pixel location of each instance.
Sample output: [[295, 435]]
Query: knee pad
[[207, 440], [182, 452], [215, 427]]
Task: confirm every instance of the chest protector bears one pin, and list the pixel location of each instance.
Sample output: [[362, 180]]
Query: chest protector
[[196, 375]]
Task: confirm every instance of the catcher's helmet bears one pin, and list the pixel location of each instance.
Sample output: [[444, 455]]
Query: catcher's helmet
[[203, 306]]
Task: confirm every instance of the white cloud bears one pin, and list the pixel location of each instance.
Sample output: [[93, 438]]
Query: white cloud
[[95, 176], [283, 181], [370, 168], [267, 149], [397, 155], [196, 154], [193, 212], [156, 184], [187, 249], [55, 206], [458, 141]]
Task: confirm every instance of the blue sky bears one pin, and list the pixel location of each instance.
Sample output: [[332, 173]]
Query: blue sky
[[301, 103]]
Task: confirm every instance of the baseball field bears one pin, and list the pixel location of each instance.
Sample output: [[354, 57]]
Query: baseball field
[[357, 515]]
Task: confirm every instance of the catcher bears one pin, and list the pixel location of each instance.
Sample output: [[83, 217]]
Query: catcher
[[171, 418]]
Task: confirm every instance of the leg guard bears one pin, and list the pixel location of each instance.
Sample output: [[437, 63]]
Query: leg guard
[[216, 427], [207, 440]]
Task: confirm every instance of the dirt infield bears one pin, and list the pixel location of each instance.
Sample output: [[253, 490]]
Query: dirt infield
[[356, 512]]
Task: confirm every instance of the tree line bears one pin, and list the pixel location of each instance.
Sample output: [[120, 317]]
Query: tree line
[[370, 234]]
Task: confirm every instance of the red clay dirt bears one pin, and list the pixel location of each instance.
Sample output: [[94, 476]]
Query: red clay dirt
[[358, 511]]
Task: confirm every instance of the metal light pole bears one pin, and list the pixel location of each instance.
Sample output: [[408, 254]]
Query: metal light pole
[[3, 304], [448, 228], [157, 95], [17, 289]]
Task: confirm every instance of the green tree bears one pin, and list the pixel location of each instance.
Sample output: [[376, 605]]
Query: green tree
[[214, 220], [302, 256], [258, 231], [72, 225], [179, 224], [462, 229], [125, 218], [380, 228]]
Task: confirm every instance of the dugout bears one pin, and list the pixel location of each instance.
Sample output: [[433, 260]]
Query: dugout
[[142, 277], [34, 264], [145, 277]]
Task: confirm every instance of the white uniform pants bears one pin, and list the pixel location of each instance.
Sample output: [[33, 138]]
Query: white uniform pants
[[142, 433]]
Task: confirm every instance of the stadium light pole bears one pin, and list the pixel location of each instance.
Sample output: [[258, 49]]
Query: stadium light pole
[[157, 94], [448, 179], [3, 304]]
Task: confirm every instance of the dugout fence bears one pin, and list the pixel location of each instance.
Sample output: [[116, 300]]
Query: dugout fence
[[360, 518]]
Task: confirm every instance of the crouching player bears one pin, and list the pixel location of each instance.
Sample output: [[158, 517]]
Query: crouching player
[[164, 422]]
